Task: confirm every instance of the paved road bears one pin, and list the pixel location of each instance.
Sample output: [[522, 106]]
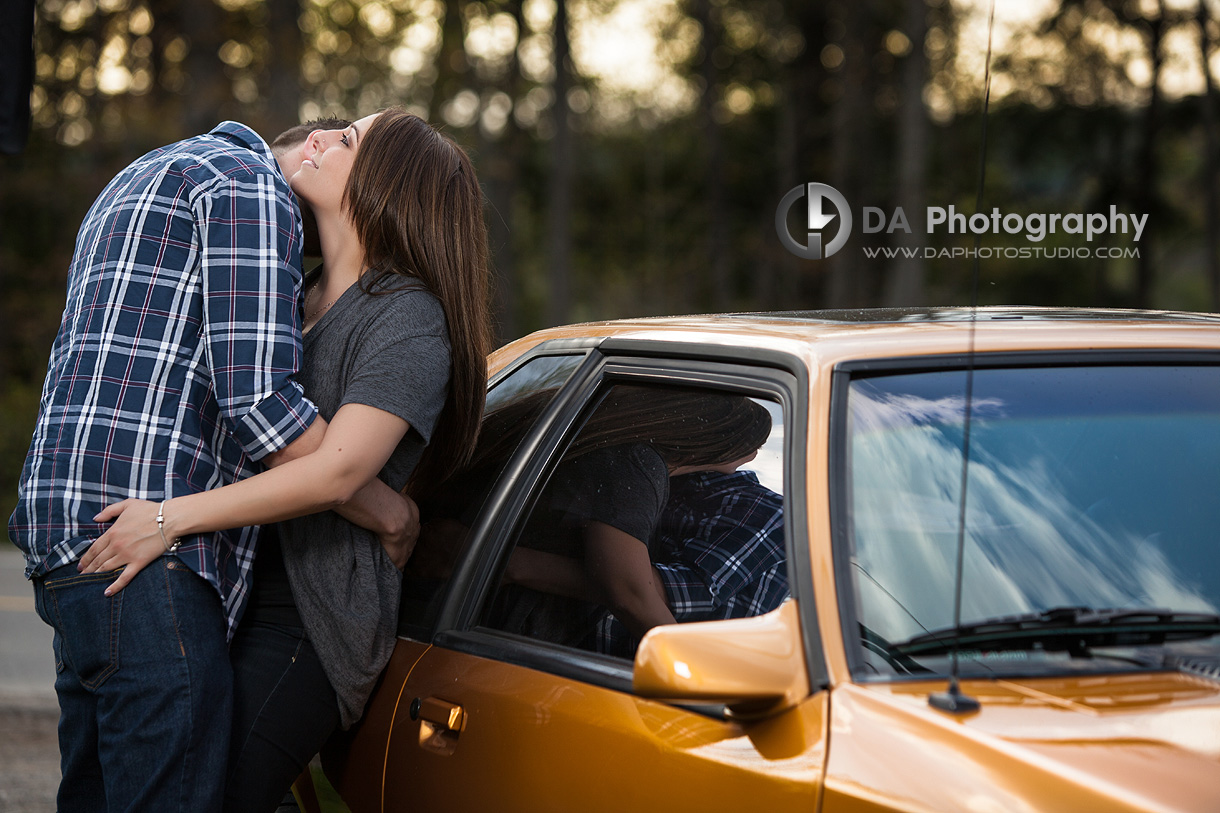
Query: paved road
[[29, 756]]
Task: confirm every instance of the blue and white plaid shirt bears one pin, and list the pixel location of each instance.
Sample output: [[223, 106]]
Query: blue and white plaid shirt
[[719, 548], [172, 370]]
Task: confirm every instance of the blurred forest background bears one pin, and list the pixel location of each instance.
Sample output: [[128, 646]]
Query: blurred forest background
[[633, 152]]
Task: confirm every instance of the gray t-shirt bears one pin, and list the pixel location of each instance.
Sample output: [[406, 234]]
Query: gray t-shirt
[[389, 351]]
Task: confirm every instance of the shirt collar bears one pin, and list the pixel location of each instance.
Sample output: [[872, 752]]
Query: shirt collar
[[243, 136]]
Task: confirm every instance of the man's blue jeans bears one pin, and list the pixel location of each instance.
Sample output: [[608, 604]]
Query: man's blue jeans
[[145, 689]]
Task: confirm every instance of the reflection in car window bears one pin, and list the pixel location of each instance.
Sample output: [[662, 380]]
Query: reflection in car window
[[1090, 518], [543, 373], [654, 514], [448, 514]]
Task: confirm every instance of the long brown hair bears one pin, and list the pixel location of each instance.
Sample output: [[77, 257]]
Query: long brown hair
[[418, 210], [685, 425]]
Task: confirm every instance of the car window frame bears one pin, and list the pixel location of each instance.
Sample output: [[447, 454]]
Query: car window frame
[[425, 629], [752, 371], [840, 494]]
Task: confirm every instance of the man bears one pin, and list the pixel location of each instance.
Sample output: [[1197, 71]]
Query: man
[[718, 551], [171, 373]]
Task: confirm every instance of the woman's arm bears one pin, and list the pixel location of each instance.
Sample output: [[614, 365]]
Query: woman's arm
[[391, 515], [356, 446], [552, 573], [619, 563]]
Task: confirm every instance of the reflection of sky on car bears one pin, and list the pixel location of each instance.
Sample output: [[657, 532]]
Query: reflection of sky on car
[[1029, 547], [544, 372], [769, 465], [552, 371]]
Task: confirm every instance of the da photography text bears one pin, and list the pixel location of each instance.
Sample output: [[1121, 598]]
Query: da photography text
[[828, 222]]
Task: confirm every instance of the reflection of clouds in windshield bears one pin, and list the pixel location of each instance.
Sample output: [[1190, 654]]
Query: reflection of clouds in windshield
[[1027, 548], [888, 410]]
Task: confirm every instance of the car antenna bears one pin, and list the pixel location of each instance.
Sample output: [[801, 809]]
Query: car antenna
[[952, 700]]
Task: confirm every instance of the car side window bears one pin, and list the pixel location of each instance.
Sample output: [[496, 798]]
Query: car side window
[[665, 505], [514, 402]]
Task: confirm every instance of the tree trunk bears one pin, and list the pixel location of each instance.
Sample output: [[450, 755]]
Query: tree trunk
[[906, 274], [803, 144], [656, 220], [17, 62], [1145, 193], [451, 67], [559, 218], [1211, 195], [286, 47], [717, 244], [208, 87], [504, 159], [849, 146]]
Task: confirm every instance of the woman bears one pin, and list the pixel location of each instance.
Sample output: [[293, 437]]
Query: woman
[[396, 337]]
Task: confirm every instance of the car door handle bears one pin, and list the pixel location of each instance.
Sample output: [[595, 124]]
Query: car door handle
[[440, 713]]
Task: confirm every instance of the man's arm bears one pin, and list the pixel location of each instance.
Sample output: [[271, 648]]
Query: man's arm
[[353, 450]]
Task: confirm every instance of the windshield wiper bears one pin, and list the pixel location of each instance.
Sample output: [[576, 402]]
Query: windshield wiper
[[1067, 629]]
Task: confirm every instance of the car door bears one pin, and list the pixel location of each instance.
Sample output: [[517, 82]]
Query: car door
[[517, 704]]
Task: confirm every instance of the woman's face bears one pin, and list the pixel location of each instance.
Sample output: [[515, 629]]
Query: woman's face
[[328, 158]]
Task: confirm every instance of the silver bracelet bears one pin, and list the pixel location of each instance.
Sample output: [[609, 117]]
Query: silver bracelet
[[161, 530]]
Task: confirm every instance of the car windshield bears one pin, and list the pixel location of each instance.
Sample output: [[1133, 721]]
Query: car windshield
[[1090, 519]]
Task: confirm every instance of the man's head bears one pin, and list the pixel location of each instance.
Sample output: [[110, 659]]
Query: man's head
[[287, 145], [288, 149]]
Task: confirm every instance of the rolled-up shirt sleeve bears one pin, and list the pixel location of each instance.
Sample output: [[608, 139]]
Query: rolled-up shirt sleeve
[[251, 319]]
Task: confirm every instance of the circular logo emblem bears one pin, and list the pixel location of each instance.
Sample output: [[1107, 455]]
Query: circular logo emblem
[[817, 219]]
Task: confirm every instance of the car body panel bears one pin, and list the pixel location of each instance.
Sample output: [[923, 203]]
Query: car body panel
[[358, 764], [1113, 743], [527, 742], [755, 666], [536, 740]]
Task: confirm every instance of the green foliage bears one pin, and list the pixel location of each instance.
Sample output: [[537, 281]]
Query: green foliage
[[675, 178]]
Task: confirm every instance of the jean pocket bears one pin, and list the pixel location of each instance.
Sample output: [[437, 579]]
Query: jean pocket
[[40, 606], [86, 623]]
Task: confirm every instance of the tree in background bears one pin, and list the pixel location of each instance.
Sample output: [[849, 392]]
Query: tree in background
[[633, 151]]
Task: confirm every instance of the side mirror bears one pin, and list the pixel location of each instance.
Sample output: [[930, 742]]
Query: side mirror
[[754, 666]]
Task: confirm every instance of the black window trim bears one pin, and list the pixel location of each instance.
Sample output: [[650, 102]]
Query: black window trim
[[480, 557], [571, 348], [840, 485], [752, 371]]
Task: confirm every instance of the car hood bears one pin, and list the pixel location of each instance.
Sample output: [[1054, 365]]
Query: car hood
[[1148, 742]]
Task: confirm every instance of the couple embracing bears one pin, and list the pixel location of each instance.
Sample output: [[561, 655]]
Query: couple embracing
[[212, 509]]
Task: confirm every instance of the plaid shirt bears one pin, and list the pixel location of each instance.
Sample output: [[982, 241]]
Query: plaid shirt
[[171, 372], [719, 548]]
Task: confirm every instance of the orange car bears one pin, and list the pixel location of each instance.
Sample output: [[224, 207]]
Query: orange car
[[732, 562]]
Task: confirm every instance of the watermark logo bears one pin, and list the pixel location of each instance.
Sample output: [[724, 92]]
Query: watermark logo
[[823, 204], [817, 218]]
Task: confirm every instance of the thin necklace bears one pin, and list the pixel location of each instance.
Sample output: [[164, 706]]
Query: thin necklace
[[313, 289]]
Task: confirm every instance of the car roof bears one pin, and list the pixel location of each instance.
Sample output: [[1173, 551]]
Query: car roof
[[830, 336], [985, 314]]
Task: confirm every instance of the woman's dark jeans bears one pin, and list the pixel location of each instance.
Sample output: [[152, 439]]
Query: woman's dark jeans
[[283, 711]]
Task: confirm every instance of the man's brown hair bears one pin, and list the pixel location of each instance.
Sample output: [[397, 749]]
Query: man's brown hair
[[297, 135]]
